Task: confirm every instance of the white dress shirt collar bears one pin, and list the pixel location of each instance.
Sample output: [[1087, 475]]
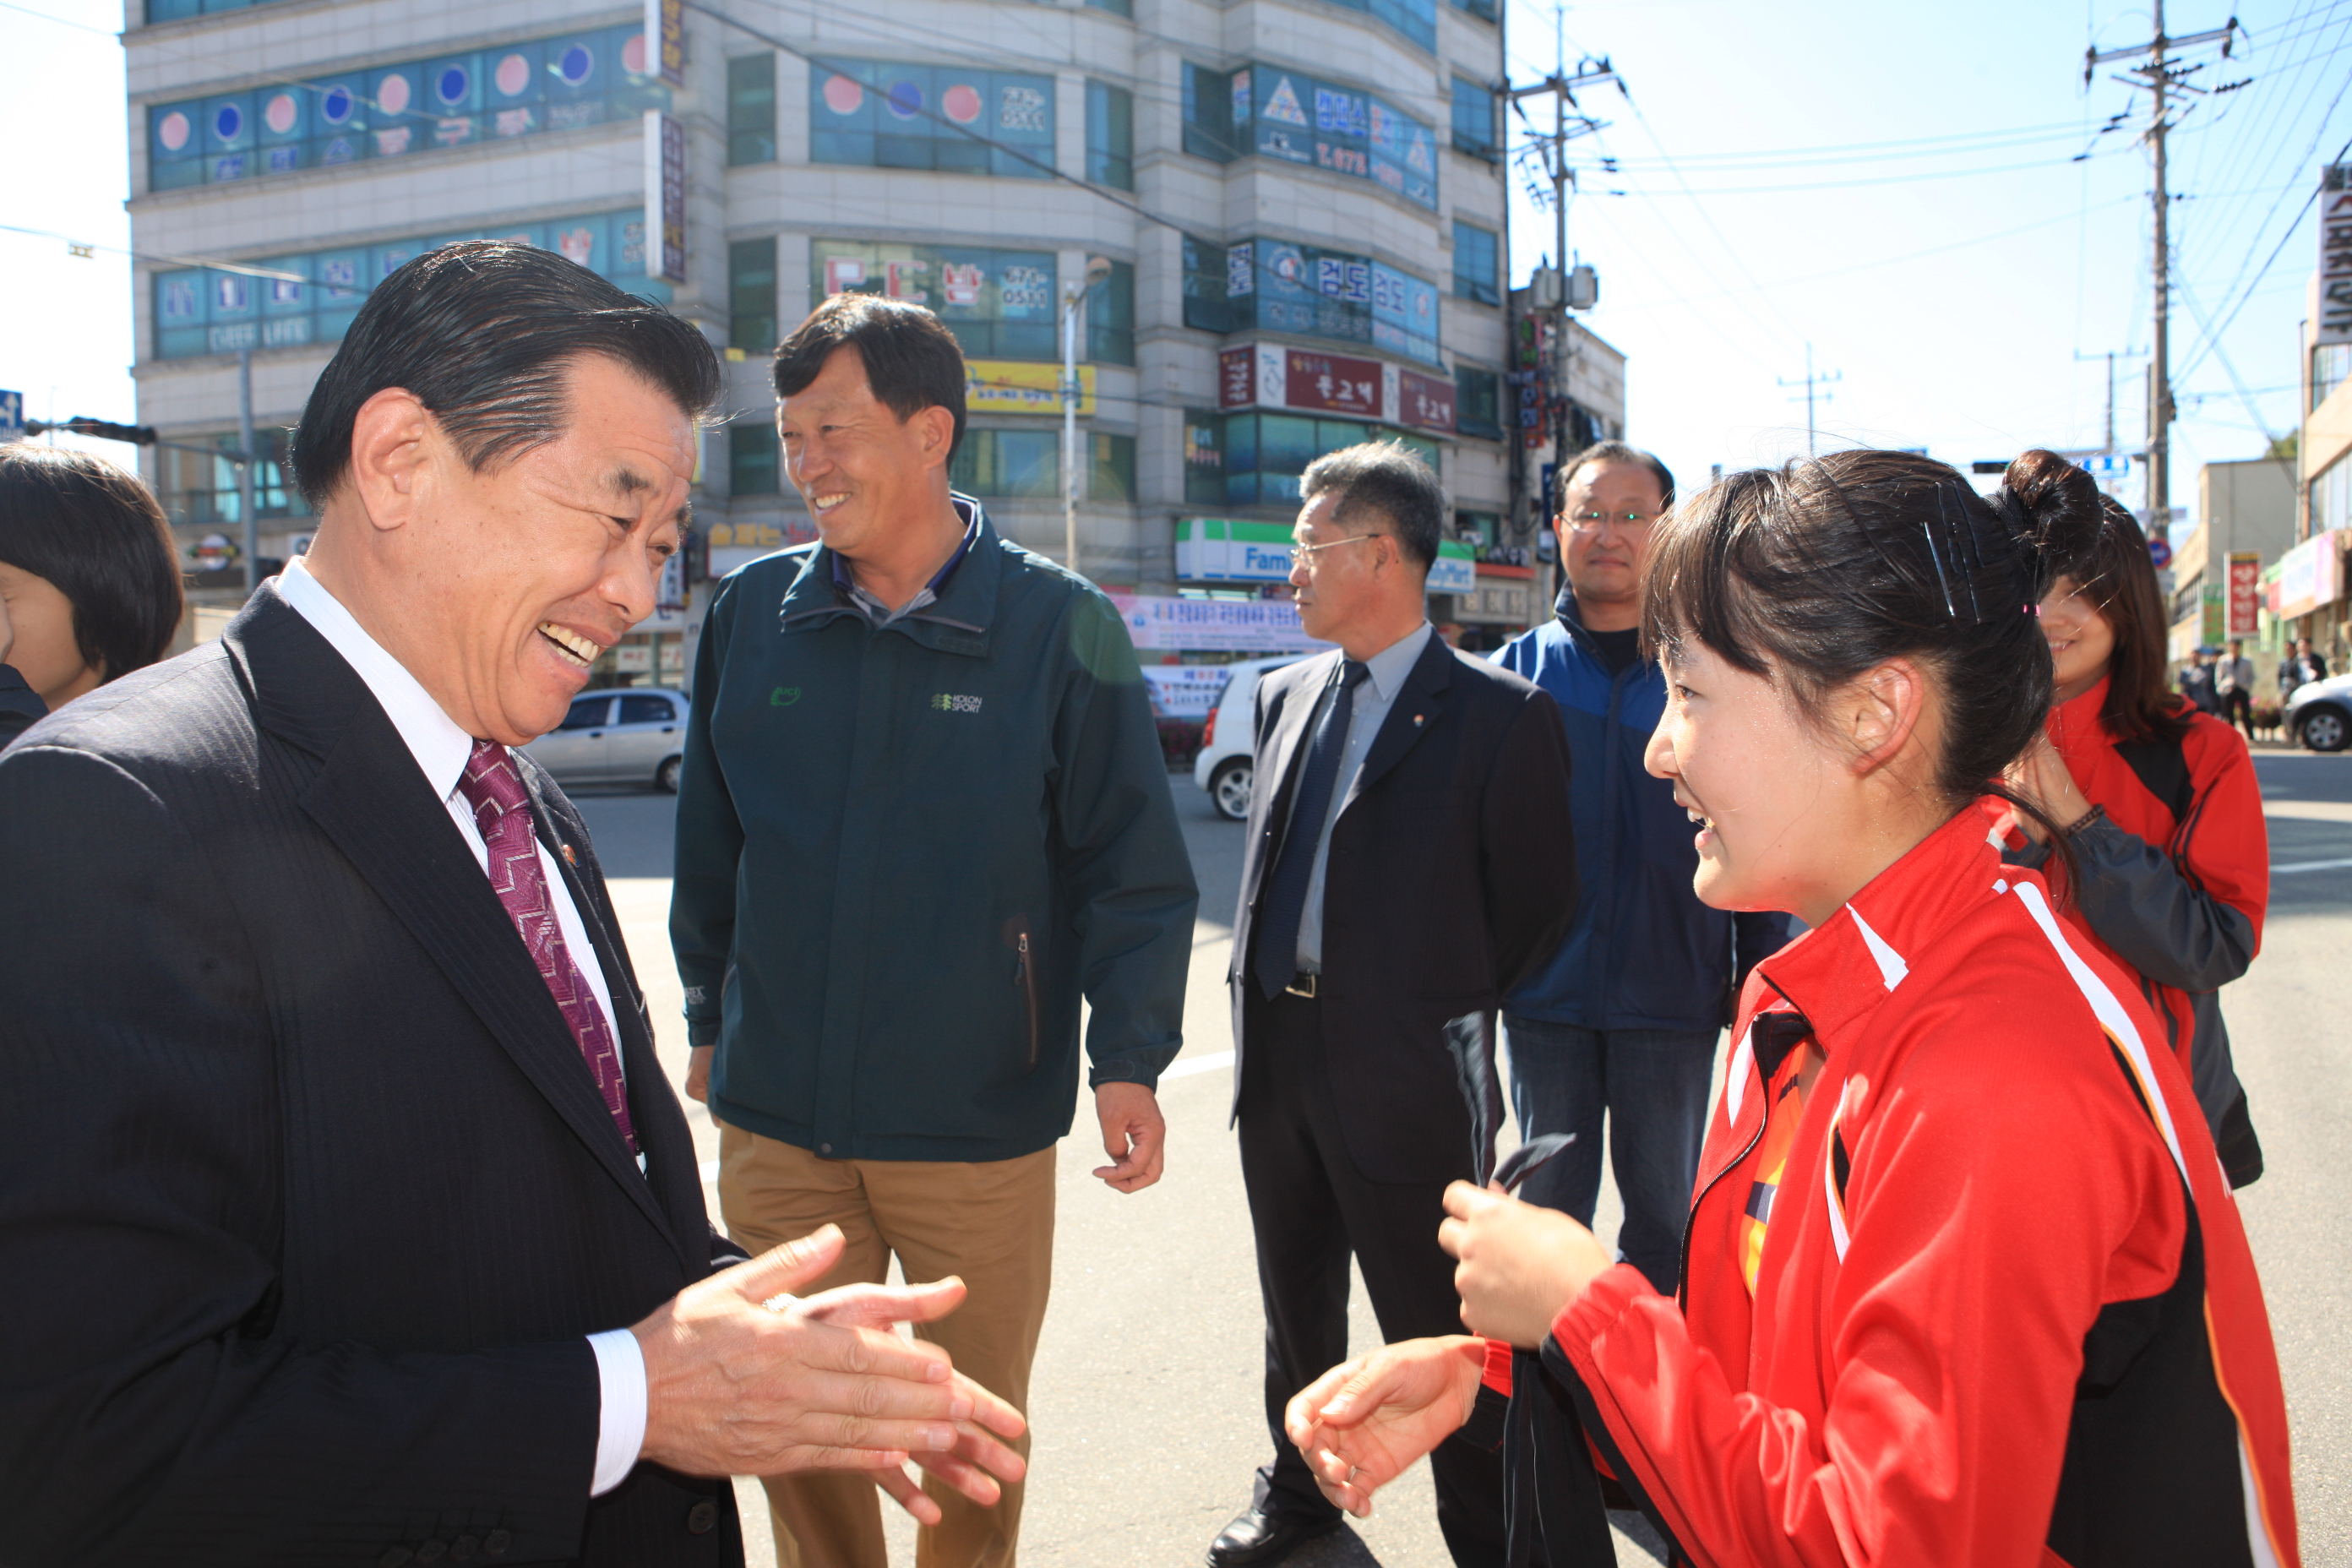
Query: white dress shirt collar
[[433, 738]]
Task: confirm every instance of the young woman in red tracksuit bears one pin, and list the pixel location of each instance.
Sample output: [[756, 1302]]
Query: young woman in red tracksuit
[[2158, 802], [1965, 1284]]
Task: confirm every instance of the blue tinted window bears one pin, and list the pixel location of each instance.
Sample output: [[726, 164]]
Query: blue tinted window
[[1473, 118], [1476, 264], [1001, 304], [890, 116]]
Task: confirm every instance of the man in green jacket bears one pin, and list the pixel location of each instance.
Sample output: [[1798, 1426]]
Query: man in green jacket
[[923, 808]]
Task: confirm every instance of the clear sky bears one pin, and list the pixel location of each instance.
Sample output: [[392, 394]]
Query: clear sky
[[1893, 184]]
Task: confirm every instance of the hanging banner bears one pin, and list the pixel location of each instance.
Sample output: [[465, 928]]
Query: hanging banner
[[1015, 386], [2309, 575], [665, 196], [1185, 690], [2335, 323], [1213, 626], [2245, 592]]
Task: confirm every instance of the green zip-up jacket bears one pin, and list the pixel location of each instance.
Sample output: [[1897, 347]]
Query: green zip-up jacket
[[904, 851]]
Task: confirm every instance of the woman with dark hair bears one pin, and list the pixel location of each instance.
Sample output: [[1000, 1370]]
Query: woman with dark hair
[[90, 589], [2157, 801], [1964, 1283]]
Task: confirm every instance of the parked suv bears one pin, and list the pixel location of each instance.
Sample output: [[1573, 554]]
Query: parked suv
[[2320, 713], [1222, 768], [634, 735]]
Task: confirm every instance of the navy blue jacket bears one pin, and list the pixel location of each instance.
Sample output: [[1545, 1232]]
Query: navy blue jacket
[[1642, 953]]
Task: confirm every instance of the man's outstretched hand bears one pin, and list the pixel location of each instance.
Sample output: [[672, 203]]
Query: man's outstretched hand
[[735, 1387], [1363, 1423]]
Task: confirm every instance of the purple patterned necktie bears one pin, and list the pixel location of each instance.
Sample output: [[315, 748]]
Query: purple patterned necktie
[[493, 786]]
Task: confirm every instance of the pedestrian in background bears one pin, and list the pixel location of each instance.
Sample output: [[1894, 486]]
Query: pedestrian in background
[[2300, 667], [90, 586], [1625, 1014], [1966, 1286], [2171, 868], [1409, 860], [2233, 687], [2196, 682], [923, 809]]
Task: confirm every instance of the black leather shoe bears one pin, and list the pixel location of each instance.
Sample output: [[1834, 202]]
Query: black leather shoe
[[1257, 1539]]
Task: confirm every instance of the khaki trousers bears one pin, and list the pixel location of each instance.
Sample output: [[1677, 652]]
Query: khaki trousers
[[992, 1223]]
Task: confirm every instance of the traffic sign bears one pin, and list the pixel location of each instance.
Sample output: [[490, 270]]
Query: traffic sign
[[2106, 466], [12, 416], [2159, 552]]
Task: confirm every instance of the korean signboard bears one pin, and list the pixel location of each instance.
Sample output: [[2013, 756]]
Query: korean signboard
[[2310, 574], [1302, 121], [665, 196], [2245, 593], [1010, 387], [1185, 690], [2335, 323], [1272, 375], [665, 30]]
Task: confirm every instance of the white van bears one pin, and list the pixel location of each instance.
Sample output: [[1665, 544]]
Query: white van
[[1224, 766]]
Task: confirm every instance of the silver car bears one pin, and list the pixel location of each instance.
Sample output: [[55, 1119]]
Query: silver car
[[635, 735], [2320, 713]]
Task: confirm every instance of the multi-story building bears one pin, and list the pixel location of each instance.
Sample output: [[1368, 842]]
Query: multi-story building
[[2306, 588], [2244, 523], [1282, 221]]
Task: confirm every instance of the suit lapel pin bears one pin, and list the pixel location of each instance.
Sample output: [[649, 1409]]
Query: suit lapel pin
[[1416, 721], [572, 861]]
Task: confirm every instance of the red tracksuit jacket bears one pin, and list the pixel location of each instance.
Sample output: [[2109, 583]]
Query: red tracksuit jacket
[[2005, 1311]]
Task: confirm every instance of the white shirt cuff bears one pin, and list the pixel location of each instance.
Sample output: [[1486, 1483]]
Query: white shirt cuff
[[621, 1420]]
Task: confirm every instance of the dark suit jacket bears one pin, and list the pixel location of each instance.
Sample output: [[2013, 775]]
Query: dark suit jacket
[[307, 1198], [20, 706], [1452, 876]]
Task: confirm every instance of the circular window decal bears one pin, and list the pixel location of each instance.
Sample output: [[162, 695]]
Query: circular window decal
[[228, 122], [172, 132], [451, 84], [513, 74], [577, 62], [842, 95], [633, 55], [336, 107], [391, 94], [961, 103], [280, 114], [905, 99]]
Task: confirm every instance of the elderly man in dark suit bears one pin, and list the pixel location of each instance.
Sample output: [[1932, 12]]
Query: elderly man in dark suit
[[346, 1216], [1410, 859]]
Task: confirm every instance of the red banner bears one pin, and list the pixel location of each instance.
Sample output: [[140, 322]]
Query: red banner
[[1332, 383], [2245, 593], [1424, 402]]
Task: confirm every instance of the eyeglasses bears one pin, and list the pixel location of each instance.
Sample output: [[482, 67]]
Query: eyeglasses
[[1594, 521], [1309, 550]]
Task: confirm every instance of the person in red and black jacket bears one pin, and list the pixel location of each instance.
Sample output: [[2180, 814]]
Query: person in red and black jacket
[[1964, 1283], [2160, 804]]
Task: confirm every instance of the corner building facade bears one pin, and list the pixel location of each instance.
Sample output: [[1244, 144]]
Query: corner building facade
[[1300, 201]]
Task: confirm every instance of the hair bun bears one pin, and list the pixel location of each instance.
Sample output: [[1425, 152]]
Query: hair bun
[[2051, 508]]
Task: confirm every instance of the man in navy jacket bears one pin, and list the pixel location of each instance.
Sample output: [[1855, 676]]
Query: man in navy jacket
[[1626, 1013]]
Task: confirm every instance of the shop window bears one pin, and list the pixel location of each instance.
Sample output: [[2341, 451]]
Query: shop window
[[751, 109], [751, 294], [1110, 135], [314, 296], [1000, 304], [1112, 475], [199, 487], [1275, 286], [888, 116], [1020, 464], [1204, 458], [2331, 365], [1110, 317], [1476, 264], [1477, 403], [390, 112], [1473, 119], [752, 458]]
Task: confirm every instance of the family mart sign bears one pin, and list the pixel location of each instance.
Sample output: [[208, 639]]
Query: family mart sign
[[1231, 550]]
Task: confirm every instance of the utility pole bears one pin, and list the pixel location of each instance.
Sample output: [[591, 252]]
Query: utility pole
[[1811, 381], [2110, 356], [1073, 295], [2162, 77], [1553, 297], [245, 470]]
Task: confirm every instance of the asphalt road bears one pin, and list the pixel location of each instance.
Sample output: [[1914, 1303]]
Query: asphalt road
[[1146, 1403]]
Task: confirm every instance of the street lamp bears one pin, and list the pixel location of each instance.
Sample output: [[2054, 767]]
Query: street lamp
[[1098, 271]]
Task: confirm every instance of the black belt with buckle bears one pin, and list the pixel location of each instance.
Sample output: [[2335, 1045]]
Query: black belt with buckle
[[1302, 986]]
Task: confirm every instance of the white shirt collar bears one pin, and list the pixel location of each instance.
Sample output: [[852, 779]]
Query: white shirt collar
[[1393, 663], [440, 748]]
